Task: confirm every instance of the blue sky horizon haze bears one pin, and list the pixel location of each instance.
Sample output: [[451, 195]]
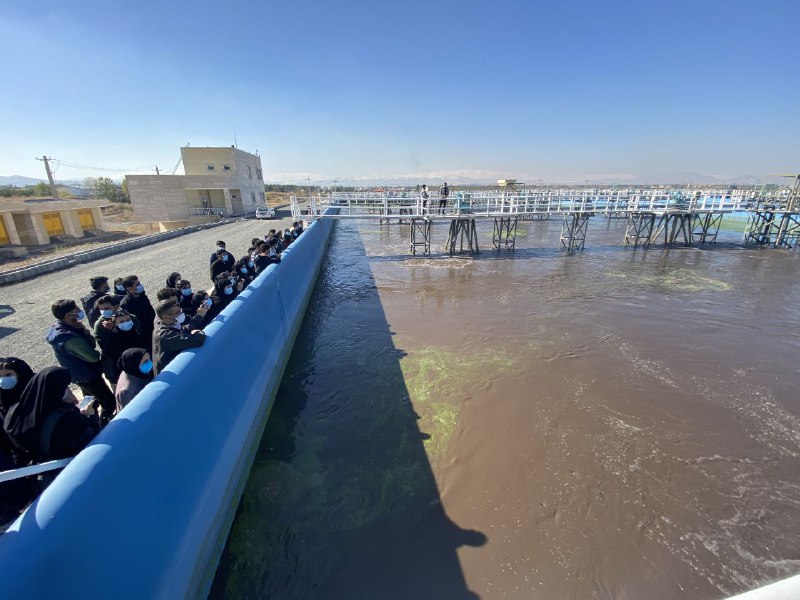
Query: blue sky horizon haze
[[565, 91]]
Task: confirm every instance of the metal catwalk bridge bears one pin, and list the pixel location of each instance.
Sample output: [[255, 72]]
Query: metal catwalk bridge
[[674, 216]]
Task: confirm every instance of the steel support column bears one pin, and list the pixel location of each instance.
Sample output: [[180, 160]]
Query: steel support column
[[459, 230], [705, 227], [504, 234], [421, 236], [639, 229], [573, 231]]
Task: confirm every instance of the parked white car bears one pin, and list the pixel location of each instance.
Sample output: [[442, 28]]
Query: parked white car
[[265, 212]]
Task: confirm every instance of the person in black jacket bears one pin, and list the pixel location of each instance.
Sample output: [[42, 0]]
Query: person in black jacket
[[223, 263], [173, 335], [137, 303], [185, 292], [74, 348], [226, 256], [100, 288], [116, 335], [224, 292], [243, 271], [46, 421]]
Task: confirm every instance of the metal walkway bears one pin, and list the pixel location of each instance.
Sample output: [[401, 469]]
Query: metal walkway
[[668, 215]]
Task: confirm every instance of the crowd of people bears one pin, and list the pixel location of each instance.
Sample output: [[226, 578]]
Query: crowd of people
[[111, 347]]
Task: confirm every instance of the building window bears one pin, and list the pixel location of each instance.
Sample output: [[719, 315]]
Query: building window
[[234, 196], [258, 172], [249, 172], [226, 167], [210, 167]]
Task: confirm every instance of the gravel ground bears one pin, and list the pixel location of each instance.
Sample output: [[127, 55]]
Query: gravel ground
[[25, 307]]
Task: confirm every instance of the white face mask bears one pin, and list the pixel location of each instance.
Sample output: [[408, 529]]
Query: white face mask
[[180, 319]]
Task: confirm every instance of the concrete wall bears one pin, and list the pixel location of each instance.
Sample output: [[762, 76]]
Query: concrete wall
[[144, 511]]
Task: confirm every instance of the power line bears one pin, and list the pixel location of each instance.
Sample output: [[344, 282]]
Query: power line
[[79, 166]]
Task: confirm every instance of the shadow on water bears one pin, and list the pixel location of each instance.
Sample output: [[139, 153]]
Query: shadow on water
[[341, 501]]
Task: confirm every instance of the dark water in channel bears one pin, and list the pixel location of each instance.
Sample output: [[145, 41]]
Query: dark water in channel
[[611, 424]]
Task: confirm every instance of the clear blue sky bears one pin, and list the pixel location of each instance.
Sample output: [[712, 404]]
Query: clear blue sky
[[556, 90]]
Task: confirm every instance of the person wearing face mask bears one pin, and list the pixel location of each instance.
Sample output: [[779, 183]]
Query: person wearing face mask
[[185, 293], [243, 270], [223, 263], [136, 371], [100, 288], [103, 308], [221, 252], [15, 374], [119, 289], [46, 421], [167, 293], [119, 333], [200, 299], [172, 336], [224, 292], [74, 348], [137, 303]]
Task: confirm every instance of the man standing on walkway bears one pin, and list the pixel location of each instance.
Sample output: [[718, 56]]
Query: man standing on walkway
[[74, 348], [424, 199], [171, 336], [137, 303], [444, 192]]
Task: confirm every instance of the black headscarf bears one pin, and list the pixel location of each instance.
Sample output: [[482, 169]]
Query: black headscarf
[[172, 280], [129, 363], [9, 398], [43, 394]]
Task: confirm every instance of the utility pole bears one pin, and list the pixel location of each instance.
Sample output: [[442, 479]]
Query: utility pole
[[157, 171], [335, 181], [53, 189], [308, 185]]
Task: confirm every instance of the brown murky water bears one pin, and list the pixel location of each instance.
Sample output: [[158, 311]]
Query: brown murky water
[[611, 424]]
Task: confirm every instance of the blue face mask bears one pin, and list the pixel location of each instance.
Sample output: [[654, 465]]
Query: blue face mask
[[81, 315], [243, 270], [107, 313], [126, 325], [120, 288], [208, 302], [140, 289], [251, 264], [7, 382], [228, 291], [146, 367], [186, 291]]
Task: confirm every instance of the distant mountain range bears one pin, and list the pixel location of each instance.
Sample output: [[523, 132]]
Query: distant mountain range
[[22, 181], [479, 178], [18, 180]]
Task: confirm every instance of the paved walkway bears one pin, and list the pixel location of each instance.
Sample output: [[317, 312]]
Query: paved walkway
[[25, 307]]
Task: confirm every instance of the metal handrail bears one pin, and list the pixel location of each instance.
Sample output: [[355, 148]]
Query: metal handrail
[[44, 467]]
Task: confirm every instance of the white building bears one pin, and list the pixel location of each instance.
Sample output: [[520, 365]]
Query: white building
[[225, 181]]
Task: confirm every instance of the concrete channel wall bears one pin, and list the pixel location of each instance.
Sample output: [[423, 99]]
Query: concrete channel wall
[[144, 511]]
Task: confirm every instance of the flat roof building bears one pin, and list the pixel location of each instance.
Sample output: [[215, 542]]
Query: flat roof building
[[218, 181], [35, 222]]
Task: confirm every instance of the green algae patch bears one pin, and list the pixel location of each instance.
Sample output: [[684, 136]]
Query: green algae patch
[[439, 380], [678, 280]]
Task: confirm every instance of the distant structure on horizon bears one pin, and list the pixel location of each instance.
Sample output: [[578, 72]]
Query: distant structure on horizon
[[218, 181]]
